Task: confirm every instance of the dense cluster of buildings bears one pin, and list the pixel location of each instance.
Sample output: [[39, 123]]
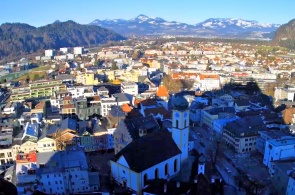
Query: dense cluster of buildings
[[109, 101]]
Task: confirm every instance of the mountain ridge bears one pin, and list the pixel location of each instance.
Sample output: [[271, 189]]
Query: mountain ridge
[[212, 27], [285, 35], [21, 38]]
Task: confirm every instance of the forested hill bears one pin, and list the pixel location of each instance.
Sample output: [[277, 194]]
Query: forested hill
[[17, 38], [285, 35]]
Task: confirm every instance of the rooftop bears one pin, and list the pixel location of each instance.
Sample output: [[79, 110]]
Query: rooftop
[[286, 140], [138, 152]]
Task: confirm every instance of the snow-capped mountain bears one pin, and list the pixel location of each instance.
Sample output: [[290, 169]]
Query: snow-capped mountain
[[213, 27]]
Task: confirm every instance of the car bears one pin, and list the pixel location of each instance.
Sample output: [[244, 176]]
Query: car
[[227, 170]]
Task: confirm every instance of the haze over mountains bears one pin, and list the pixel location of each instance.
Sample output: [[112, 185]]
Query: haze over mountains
[[213, 27]]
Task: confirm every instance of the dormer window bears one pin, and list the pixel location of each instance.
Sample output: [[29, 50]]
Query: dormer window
[[142, 132]]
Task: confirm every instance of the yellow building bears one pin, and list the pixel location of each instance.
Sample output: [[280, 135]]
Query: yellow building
[[156, 64], [46, 144], [43, 88], [25, 147], [86, 79]]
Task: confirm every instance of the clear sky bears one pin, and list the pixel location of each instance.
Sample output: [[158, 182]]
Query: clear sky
[[42, 12]]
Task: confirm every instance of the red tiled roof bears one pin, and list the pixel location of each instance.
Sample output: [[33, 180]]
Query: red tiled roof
[[68, 106], [126, 108], [68, 98], [162, 91], [40, 105]]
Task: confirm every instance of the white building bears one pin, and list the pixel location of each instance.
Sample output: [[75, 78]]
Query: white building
[[208, 82], [291, 183], [49, 53], [78, 50], [134, 164], [129, 88], [279, 149], [108, 102], [10, 108], [132, 169], [64, 172], [64, 50], [6, 158]]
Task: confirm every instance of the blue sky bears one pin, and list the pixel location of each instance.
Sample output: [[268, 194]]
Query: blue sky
[[42, 12]]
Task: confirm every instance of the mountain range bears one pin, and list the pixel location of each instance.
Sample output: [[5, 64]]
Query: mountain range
[[17, 38], [213, 27]]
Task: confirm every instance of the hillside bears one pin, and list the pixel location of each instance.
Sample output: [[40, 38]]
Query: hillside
[[285, 35], [17, 38]]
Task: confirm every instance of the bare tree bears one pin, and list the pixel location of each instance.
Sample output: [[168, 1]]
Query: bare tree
[[172, 85]]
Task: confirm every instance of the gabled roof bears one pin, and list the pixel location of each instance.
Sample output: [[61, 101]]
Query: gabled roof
[[68, 123], [149, 151], [158, 110]]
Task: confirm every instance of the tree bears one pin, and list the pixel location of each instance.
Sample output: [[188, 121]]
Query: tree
[[36, 77], [114, 66], [172, 85], [136, 55], [187, 84], [28, 79]]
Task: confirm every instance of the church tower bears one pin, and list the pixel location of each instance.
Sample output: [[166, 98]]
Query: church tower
[[163, 94], [201, 164], [180, 125]]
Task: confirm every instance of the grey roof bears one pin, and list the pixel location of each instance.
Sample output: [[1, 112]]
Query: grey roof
[[242, 102], [121, 97], [149, 151], [52, 129], [16, 142], [68, 123], [65, 77], [148, 123], [116, 111], [59, 160], [216, 111], [247, 126]]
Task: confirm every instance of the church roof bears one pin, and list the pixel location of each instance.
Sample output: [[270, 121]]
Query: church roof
[[149, 151], [148, 123]]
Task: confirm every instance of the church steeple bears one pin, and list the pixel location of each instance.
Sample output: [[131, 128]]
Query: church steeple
[[180, 125]]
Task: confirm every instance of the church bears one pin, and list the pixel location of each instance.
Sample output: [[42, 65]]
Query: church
[[155, 156]]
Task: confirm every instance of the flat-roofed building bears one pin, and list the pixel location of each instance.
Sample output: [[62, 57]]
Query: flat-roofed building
[[279, 149], [241, 134]]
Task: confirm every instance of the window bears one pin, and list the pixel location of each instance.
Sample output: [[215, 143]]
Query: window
[[56, 182], [246, 140], [145, 178], [166, 169], [175, 165], [49, 183], [156, 173], [176, 123], [184, 123], [60, 181]]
